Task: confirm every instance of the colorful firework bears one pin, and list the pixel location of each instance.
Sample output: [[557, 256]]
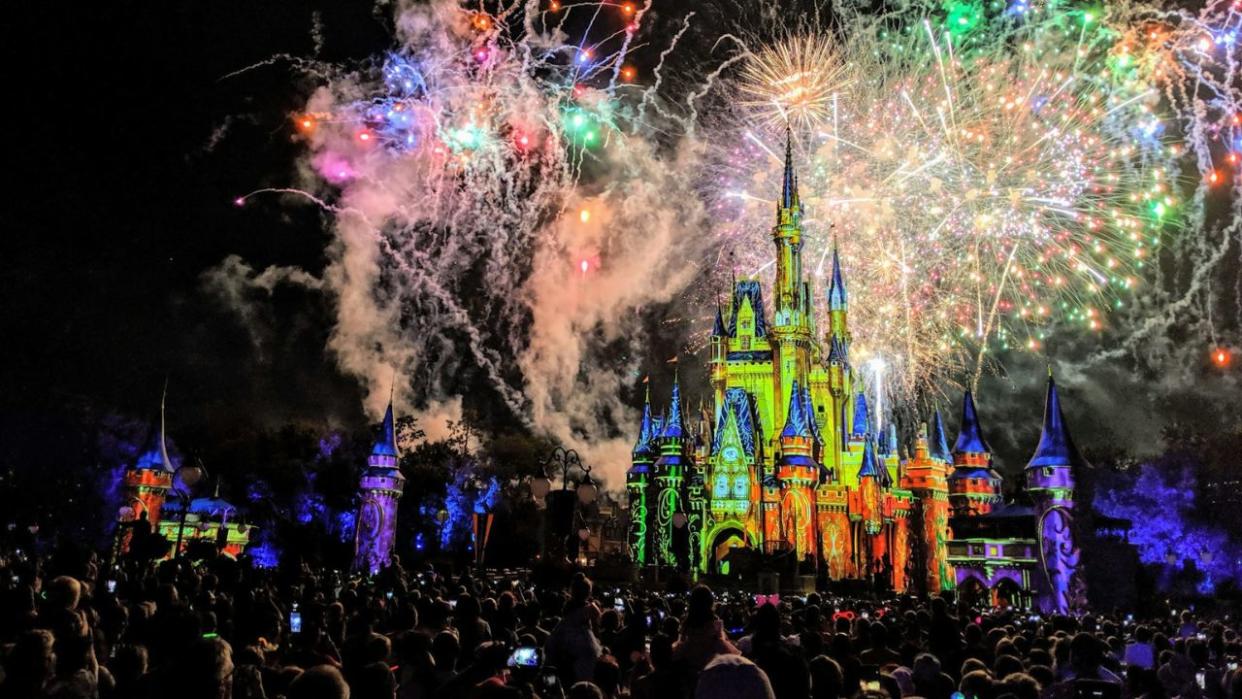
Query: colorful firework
[[989, 174], [993, 172], [796, 81]]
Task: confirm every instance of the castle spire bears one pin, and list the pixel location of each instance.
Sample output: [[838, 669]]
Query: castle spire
[[810, 413], [789, 187], [718, 328], [1056, 447], [862, 421], [796, 422], [645, 435], [970, 439], [837, 300], [386, 445], [869, 468], [155, 455], [939, 443], [673, 428]]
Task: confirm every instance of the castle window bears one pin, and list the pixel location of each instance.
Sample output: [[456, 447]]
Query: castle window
[[745, 343], [1048, 471], [741, 487], [722, 487]]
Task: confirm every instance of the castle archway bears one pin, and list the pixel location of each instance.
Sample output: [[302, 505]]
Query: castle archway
[[1006, 593], [973, 591], [723, 539]]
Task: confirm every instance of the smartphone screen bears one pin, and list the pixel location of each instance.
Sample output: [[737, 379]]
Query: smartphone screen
[[295, 622], [111, 586], [525, 656]]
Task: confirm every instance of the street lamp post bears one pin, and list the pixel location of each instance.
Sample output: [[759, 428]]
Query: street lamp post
[[566, 502]]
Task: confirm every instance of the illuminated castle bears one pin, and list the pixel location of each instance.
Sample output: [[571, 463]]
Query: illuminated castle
[[379, 490], [791, 459]]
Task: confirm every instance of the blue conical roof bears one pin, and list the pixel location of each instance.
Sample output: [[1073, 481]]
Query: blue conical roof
[[870, 467], [645, 432], [892, 439], [970, 439], [837, 299], [862, 421], [939, 443], [154, 455], [673, 428], [748, 289], [1056, 447], [386, 445], [795, 422], [810, 412], [718, 328]]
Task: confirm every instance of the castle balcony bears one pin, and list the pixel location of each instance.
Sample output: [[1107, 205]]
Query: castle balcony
[[987, 552]]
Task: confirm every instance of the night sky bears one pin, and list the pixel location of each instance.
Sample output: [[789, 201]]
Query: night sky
[[126, 150]]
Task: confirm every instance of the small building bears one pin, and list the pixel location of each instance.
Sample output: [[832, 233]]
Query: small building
[[211, 520]]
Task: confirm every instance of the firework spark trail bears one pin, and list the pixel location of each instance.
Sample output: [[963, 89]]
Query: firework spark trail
[[651, 94], [498, 188], [503, 210], [1024, 158]]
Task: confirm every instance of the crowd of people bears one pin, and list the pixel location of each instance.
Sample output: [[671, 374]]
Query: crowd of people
[[73, 627]]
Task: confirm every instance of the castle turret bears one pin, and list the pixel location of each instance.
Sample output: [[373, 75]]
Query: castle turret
[[668, 488], [870, 482], [148, 481], [379, 489], [799, 474], [973, 486], [637, 482], [1050, 482], [925, 476]]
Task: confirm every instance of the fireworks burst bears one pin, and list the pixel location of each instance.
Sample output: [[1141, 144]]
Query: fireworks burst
[[988, 176], [796, 81], [504, 183]]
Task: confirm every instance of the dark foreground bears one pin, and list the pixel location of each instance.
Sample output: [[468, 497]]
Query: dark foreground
[[77, 628]]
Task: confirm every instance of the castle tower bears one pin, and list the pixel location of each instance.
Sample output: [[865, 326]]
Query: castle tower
[[1050, 482], [378, 490], [925, 477], [799, 475], [871, 476], [147, 482], [637, 483], [791, 326], [973, 486], [667, 498]]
